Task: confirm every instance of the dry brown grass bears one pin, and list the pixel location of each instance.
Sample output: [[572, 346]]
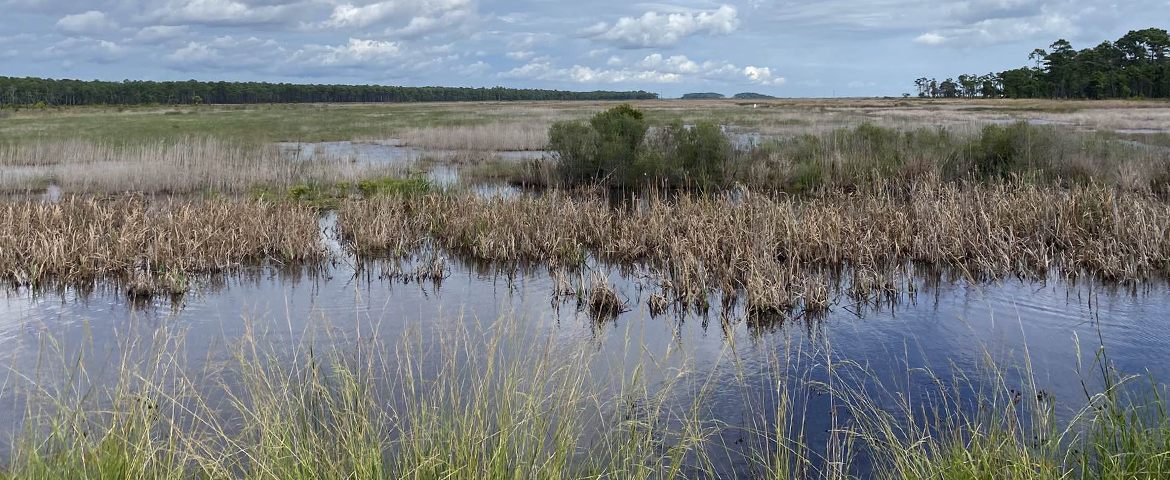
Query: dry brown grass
[[150, 246], [490, 137], [186, 166], [780, 251]]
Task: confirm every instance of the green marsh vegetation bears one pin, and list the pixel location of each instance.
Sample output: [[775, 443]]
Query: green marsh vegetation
[[502, 400], [619, 148]]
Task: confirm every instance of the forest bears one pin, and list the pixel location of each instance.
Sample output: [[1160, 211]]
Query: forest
[[33, 91], [1134, 66]]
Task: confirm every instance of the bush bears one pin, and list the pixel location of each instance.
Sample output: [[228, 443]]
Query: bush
[[695, 156], [613, 148]]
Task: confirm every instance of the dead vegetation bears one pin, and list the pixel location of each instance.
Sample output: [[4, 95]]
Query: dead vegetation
[[780, 251], [501, 136], [189, 165], [152, 247]]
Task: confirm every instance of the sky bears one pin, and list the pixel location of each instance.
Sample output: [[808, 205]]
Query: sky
[[785, 48]]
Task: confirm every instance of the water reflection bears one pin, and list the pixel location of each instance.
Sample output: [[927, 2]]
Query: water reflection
[[947, 325]]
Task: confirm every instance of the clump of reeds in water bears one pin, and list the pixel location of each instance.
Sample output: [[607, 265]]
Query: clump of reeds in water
[[774, 249], [602, 301], [154, 246]]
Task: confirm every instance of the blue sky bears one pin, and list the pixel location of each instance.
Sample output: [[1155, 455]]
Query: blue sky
[[790, 48]]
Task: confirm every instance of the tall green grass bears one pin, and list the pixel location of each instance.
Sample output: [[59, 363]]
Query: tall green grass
[[473, 401]]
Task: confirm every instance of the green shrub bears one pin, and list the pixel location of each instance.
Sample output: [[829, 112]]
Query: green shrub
[[695, 156], [394, 186], [613, 148]]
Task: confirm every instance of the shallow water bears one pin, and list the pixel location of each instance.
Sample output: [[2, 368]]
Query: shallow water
[[944, 323]]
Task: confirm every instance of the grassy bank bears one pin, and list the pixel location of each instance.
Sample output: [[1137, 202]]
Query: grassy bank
[[501, 402]]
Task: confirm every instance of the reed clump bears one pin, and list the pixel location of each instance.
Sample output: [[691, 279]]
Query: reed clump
[[777, 249], [154, 246]]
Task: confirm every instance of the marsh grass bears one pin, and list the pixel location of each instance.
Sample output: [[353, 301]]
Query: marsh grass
[[186, 166], [468, 401], [506, 400], [784, 252], [489, 137], [153, 246]]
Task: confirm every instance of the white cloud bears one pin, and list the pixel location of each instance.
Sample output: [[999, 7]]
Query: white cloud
[[193, 53], [426, 25], [930, 38], [521, 55], [653, 29], [88, 23], [355, 53], [473, 70], [96, 51], [762, 76], [219, 12], [161, 33], [582, 74], [676, 63], [999, 30], [359, 16]]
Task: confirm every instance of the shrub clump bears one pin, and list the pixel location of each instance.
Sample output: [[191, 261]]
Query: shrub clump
[[617, 147]]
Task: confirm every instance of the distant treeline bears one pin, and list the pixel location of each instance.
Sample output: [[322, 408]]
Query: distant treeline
[[31, 91], [1136, 65]]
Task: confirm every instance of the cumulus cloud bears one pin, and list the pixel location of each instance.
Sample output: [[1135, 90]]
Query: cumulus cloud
[[88, 23], [521, 55], [87, 49], [424, 14], [998, 30], [930, 38], [194, 52], [582, 74], [354, 53], [474, 70], [426, 25], [654, 29], [675, 64], [220, 12], [762, 76], [161, 33]]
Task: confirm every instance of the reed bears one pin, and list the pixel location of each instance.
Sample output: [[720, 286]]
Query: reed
[[780, 250], [183, 166], [500, 136], [148, 244], [506, 400], [470, 402]]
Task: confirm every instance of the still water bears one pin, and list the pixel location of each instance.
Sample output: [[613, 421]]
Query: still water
[[948, 325]]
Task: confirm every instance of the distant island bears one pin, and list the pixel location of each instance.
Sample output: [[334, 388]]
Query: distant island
[[752, 96], [703, 96]]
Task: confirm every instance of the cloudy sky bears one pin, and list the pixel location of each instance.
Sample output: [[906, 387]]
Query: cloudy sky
[[789, 48]]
